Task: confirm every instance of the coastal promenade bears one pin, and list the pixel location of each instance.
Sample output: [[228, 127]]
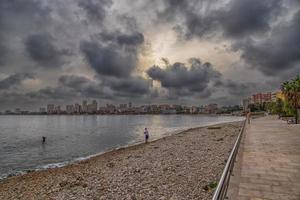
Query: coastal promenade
[[268, 164]]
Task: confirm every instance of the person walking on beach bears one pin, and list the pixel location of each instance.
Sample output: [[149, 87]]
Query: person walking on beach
[[146, 133], [249, 116]]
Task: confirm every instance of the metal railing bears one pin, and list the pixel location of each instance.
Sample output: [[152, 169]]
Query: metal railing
[[221, 190]]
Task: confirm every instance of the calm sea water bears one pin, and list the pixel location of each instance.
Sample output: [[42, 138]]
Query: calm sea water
[[71, 138]]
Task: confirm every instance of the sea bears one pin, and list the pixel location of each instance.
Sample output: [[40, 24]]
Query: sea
[[71, 138]]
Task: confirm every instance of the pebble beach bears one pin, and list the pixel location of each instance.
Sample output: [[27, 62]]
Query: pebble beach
[[180, 166]]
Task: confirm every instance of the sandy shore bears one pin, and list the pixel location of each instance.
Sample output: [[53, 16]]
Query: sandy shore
[[176, 167]]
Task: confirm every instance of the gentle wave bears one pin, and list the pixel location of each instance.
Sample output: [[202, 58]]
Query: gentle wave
[[79, 159]]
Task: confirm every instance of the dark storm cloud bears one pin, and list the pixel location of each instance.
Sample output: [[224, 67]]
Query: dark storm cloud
[[245, 17], [74, 81], [108, 60], [194, 22], [277, 53], [83, 86], [237, 89], [123, 39], [236, 19], [106, 87], [22, 13], [14, 80], [70, 87], [114, 55], [183, 79], [95, 9], [18, 17], [267, 46], [130, 39], [133, 86], [52, 93], [42, 50], [3, 54]]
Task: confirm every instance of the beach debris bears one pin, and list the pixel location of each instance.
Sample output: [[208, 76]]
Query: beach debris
[[211, 186]]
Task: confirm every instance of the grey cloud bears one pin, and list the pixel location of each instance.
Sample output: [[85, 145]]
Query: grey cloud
[[118, 38], [69, 87], [131, 39], [95, 9], [83, 86], [17, 18], [237, 89], [277, 53], [114, 55], [267, 46], [72, 86], [73, 81], [181, 79], [42, 50], [133, 86], [108, 60], [15, 14], [3, 54], [248, 16], [14, 80], [238, 18]]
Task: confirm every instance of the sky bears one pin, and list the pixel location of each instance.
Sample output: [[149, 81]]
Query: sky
[[190, 52]]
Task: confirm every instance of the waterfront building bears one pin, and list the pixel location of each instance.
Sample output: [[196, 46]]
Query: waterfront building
[[70, 109], [193, 110], [211, 108], [111, 109], [42, 110], [84, 106], [77, 108], [246, 103], [201, 109], [260, 98], [57, 109], [50, 108], [94, 106]]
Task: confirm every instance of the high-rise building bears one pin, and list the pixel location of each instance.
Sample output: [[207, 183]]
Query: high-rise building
[[94, 106], [57, 110], [50, 108], [70, 109], [84, 106], [78, 108]]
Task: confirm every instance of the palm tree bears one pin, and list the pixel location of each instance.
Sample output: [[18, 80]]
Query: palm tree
[[291, 91]]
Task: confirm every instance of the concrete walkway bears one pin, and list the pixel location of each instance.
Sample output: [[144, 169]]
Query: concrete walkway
[[269, 162]]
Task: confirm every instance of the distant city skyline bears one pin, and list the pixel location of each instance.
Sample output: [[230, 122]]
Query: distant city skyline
[[162, 51]]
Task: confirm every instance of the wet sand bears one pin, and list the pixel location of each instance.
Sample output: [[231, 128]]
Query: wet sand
[[176, 167]]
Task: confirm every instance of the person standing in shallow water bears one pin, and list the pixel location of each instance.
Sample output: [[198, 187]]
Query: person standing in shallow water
[[146, 133]]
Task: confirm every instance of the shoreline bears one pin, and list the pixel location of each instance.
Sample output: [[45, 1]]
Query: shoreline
[[84, 158], [112, 154]]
